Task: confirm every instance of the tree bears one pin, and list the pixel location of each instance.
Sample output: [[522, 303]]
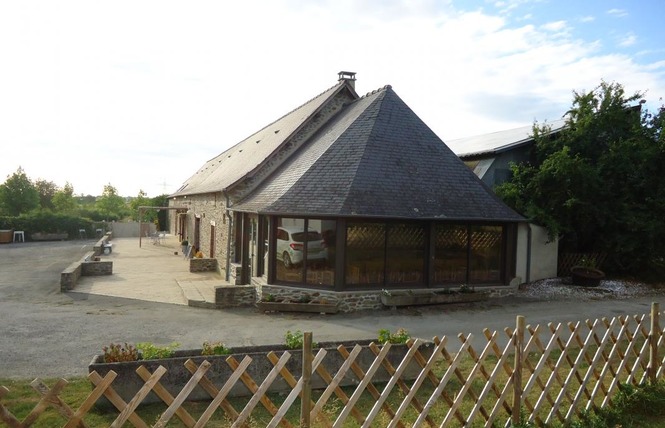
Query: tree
[[110, 204], [18, 194], [598, 185], [47, 190], [63, 200], [141, 200]]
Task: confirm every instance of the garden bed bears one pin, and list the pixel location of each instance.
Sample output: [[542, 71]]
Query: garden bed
[[128, 382]]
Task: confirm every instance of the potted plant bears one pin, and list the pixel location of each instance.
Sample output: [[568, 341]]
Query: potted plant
[[586, 274]]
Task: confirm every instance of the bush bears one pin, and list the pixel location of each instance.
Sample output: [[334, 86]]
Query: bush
[[401, 336], [295, 340], [115, 353], [214, 348], [151, 352], [47, 222]]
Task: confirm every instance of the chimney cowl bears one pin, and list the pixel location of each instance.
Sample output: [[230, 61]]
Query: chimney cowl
[[349, 77]]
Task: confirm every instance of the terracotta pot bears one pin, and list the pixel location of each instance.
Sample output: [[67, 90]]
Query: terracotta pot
[[586, 276]]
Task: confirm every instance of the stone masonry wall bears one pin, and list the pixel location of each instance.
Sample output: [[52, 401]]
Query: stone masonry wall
[[211, 209], [234, 296], [202, 265]]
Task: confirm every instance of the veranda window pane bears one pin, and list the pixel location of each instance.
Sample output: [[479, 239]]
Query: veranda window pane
[[289, 250], [365, 253], [321, 252], [486, 247], [450, 254], [406, 254]]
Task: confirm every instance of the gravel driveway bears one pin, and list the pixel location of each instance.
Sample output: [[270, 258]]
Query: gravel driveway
[[46, 333]]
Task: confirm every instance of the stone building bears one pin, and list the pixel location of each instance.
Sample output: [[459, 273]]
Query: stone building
[[344, 197]]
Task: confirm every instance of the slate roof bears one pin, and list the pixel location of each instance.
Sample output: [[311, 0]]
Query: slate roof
[[234, 164], [497, 142], [376, 158]]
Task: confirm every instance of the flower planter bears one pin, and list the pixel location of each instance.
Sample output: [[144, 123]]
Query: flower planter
[[586, 276], [311, 307], [128, 382], [433, 298], [40, 236], [6, 236]]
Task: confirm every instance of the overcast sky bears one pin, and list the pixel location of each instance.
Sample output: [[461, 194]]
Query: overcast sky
[[139, 94]]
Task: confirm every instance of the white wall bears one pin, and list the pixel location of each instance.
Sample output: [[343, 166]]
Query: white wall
[[542, 262]]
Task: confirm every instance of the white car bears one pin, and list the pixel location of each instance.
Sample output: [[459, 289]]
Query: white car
[[291, 243]]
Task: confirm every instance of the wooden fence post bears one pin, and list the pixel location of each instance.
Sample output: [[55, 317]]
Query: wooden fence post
[[306, 396], [654, 336], [518, 341]]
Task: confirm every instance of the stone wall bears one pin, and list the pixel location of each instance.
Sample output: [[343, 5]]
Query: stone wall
[[346, 301], [211, 210], [234, 296], [202, 265], [88, 265], [96, 268]]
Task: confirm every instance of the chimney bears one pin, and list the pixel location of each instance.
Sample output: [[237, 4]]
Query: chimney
[[349, 77]]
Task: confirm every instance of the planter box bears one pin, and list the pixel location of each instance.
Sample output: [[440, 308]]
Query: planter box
[[6, 236], [49, 236], [414, 299], [586, 277], [128, 382], [319, 308]]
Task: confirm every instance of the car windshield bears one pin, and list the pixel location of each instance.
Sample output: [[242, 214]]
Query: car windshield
[[311, 236]]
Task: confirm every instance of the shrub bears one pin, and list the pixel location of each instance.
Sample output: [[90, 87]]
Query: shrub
[[399, 337], [294, 340], [214, 348], [151, 352], [115, 353]]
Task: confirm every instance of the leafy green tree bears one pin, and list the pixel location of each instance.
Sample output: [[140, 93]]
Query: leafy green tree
[[598, 185], [110, 204], [18, 194], [141, 200], [63, 200], [47, 190]]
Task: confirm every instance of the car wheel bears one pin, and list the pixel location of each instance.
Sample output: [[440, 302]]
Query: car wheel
[[287, 260]]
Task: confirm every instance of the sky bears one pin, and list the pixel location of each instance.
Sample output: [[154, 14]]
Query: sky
[[140, 94]]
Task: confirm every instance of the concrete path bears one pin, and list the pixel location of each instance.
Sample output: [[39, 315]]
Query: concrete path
[[155, 272]]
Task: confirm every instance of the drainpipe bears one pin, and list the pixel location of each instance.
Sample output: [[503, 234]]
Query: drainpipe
[[528, 254], [228, 240]]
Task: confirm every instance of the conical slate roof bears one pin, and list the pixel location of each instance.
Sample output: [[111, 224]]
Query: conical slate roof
[[376, 158]]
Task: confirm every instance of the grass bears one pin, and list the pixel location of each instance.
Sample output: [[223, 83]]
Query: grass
[[632, 407]]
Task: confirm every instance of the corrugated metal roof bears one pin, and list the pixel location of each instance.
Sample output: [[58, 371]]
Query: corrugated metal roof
[[232, 165], [377, 159], [497, 142]]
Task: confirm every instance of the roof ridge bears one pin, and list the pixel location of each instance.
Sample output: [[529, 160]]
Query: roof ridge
[[376, 91]]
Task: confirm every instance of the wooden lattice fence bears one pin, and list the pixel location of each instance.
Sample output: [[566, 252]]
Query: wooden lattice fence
[[545, 373]]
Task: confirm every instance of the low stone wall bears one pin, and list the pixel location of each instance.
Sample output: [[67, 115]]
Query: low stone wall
[[70, 276], [99, 246], [89, 265], [346, 301], [235, 296], [350, 301], [96, 268], [202, 265]]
